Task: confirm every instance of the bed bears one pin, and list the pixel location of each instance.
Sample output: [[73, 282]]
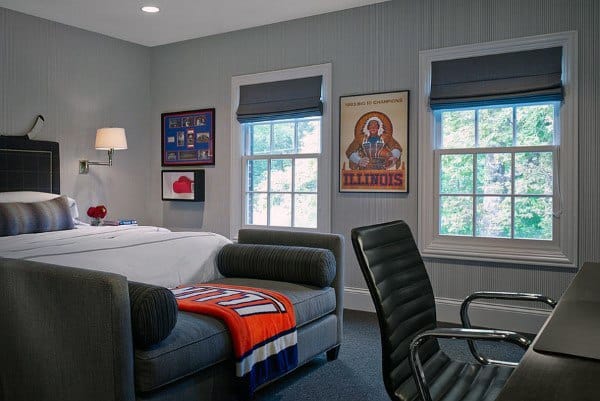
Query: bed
[[29, 172], [72, 317], [146, 254]]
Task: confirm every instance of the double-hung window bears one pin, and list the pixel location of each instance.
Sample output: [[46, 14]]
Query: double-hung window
[[498, 155], [495, 170], [281, 173]]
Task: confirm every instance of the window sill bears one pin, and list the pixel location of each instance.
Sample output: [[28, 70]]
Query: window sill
[[443, 248]]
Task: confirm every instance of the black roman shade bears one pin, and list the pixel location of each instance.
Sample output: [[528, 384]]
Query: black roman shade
[[525, 76], [292, 98]]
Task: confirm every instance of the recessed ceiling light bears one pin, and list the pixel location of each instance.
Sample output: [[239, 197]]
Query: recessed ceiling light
[[150, 9]]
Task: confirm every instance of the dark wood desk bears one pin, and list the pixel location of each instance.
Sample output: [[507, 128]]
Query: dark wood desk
[[564, 373]]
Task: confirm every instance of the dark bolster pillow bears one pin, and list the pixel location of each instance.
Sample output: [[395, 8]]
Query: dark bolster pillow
[[296, 264], [153, 313], [35, 217]]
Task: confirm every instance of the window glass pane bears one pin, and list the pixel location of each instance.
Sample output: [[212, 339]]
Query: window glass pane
[[535, 125], [257, 175], [309, 136], [495, 127], [533, 173], [283, 137], [305, 210], [306, 175], [456, 175], [492, 216], [281, 175], [282, 191], [456, 215], [256, 209], [458, 129], [259, 138], [533, 217], [281, 210], [493, 173]]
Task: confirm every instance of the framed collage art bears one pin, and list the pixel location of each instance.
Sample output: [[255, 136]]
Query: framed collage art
[[188, 138]]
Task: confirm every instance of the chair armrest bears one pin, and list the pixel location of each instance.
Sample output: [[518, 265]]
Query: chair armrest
[[468, 334], [515, 296]]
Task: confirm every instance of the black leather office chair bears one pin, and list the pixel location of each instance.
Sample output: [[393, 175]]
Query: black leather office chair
[[414, 366]]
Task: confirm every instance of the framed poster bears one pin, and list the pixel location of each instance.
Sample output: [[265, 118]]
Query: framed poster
[[374, 142], [183, 185], [188, 138]]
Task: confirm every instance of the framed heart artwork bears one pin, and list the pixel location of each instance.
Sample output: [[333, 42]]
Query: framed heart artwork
[[183, 185]]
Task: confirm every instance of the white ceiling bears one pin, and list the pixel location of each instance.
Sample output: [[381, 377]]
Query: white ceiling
[[178, 19]]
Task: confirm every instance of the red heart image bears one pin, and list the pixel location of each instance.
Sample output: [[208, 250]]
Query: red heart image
[[183, 185]]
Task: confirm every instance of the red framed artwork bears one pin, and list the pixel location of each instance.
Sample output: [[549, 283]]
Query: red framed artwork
[[183, 185]]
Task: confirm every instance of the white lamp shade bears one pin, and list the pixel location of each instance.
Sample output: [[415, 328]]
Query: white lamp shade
[[111, 138]]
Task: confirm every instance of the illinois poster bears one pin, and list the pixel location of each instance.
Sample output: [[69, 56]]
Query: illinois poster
[[374, 142]]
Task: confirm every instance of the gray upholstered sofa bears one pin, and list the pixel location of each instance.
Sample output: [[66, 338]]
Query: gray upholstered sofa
[[66, 333]]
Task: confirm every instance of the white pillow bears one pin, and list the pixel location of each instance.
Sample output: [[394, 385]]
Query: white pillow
[[32, 196]]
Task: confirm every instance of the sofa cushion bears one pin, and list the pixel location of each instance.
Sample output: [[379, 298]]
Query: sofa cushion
[[296, 264], [310, 303], [198, 341], [153, 313]]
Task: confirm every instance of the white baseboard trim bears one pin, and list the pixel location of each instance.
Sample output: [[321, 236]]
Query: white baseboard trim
[[358, 299], [521, 319]]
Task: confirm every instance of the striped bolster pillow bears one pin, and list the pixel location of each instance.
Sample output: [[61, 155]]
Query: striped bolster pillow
[[153, 313], [36, 217], [295, 264]]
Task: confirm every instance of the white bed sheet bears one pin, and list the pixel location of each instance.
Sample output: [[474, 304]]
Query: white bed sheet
[[141, 253]]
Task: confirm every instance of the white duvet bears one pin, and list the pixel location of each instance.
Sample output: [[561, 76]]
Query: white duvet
[[141, 253]]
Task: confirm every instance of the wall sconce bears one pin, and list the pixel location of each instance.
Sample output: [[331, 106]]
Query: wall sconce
[[110, 139]]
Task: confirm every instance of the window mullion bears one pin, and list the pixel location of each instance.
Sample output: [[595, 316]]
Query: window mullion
[[437, 130], [556, 139], [437, 194], [473, 193], [296, 136], [512, 191], [506, 149], [293, 192], [250, 141], [271, 136], [514, 126], [269, 190], [476, 128], [437, 145]]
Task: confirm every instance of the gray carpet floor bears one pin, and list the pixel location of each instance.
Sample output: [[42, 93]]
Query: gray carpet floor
[[356, 374]]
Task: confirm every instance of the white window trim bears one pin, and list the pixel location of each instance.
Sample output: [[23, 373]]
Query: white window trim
[[237, 146], [564, 252]]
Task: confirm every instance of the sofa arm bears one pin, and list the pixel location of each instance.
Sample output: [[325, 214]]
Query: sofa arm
[[66, 334], [333, 242]]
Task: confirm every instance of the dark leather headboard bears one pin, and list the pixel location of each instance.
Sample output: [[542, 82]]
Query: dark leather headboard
[[29, 165]]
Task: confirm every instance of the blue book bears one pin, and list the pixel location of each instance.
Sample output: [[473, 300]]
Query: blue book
[[120, 222]]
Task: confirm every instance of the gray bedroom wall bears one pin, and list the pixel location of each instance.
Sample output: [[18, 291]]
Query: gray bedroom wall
[[80, 81], [372, 49]]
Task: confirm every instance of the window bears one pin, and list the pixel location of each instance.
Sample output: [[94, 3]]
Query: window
[[281, 168], [495, 167], [498, 169]]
